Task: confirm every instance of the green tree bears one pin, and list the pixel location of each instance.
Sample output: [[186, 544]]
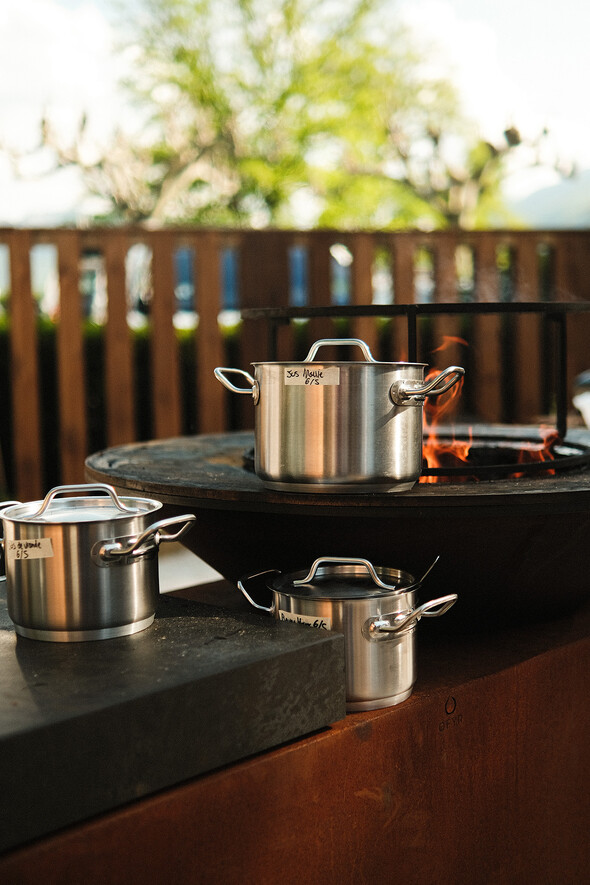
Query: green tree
[[255, 108]]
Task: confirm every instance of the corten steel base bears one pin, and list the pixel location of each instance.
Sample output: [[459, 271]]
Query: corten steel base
[[481, 776], [514, 550]]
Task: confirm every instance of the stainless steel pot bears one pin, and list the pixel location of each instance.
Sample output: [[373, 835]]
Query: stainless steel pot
[[84, 567], [335, 426], [373, 607]]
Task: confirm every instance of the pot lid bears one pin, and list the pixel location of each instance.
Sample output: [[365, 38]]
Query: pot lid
[[340, 578], [82, 508], [368, 358]]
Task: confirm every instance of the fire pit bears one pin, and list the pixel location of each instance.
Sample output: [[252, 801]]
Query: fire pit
[[512, 532], [515, 550]]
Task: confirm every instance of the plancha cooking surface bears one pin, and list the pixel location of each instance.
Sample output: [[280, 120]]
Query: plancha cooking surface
[[208, 471]]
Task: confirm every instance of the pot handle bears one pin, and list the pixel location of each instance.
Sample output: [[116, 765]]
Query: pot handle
[[381, 627], [242, 587], [254, 388], [339, 341], [397, 588], [4, 506], [149, 539], [344, 560], [82, 488], [408, 393]]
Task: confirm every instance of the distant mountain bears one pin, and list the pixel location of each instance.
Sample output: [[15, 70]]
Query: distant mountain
[[562, 205]]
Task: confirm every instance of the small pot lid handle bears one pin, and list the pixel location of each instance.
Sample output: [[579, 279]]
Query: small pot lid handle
[[323, 342], [82, 488], [343, 560]]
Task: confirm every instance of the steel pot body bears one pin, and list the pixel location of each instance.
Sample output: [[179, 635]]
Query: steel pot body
[[84, 567], [375, 610], [335, 426]]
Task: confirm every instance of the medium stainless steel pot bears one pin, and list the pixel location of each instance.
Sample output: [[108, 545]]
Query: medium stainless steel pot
[[336, 426], [84, 567], [373, 607]]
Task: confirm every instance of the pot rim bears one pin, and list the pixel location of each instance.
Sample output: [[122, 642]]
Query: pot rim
[[375, 363]]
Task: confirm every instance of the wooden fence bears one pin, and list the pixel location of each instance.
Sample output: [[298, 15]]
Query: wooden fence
[[232, 270]]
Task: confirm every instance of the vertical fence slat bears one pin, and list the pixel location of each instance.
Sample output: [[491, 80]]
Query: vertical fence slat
[[165, 376], [446, 328], [572, 283], [362, 248], [319, 294], [487, 334], [26, 421], [119, 375], [209, 342], [403, 249], [527, 334], [70, 360], [264, 282]]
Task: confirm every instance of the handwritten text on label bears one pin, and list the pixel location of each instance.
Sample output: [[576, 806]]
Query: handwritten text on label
[[38, 548], [312, 377], [312, 620]]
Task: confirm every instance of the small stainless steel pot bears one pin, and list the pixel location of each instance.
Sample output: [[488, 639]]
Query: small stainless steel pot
[[339, 426], [373, 607], [84, 567]]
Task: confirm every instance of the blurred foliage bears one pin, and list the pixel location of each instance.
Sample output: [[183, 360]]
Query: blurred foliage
[[288, 113]]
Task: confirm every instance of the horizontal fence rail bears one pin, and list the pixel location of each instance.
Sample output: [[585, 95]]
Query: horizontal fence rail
[[110, 336]]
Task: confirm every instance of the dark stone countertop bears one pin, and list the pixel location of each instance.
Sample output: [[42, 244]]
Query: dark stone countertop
[[89, 726]]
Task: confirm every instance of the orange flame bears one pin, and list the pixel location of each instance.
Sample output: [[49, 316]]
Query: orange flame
[[447, 341], [435, 452], [438, 453], [532, 452]]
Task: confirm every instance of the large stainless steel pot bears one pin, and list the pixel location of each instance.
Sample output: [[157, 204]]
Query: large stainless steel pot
[[84, 567], [373, 607], [335, 426]]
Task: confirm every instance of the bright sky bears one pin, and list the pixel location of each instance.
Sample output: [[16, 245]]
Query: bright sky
[[515, 62]]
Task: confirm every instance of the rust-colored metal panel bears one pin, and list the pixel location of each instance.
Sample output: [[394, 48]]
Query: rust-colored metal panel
[[482, 775], [119, 374], [70, 357], [26, 420]]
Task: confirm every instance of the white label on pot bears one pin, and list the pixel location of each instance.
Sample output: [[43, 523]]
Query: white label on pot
[[311, 620], [38, 548], [312, 377]]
